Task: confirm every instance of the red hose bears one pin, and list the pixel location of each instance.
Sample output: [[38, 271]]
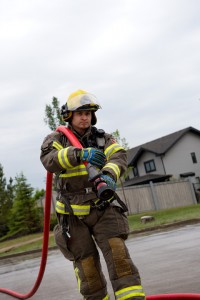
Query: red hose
[[174, 297], [71, 137], [44, 247], [74, 141]]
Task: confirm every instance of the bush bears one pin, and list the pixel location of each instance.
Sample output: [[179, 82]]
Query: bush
[[53, 222], [3, 230]]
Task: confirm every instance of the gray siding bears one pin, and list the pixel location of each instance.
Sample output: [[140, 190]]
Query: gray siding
[[178, 159], [148, 156]]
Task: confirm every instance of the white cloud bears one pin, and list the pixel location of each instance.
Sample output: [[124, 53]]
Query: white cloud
[[139, 57]]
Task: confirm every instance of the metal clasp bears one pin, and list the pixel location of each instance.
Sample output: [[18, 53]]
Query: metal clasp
[[88, 190]]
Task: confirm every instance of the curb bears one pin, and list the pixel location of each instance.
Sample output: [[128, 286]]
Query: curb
[[166, 226], [133, 232], [27, 253]]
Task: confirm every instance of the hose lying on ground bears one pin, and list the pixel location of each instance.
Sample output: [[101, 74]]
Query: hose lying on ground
[[47, 213]]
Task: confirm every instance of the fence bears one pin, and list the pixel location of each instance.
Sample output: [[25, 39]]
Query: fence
[[155, 196]]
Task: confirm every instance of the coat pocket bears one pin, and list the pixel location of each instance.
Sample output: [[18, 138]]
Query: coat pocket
[[62, 243]]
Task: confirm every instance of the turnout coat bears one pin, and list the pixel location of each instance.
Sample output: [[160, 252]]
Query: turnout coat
[[75, 191]]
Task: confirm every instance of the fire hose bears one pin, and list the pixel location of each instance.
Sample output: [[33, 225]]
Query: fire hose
[[44, 247], [105, 193]]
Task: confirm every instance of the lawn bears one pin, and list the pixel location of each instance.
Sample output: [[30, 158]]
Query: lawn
[[161, 217]]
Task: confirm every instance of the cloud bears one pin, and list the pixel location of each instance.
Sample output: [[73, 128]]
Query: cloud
[[139, 57]]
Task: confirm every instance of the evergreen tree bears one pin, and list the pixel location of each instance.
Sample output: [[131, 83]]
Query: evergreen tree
[[2, 189], [38, 194], [10, 194], [38, 197], [6, 201], [53, 116], [24, 217], [3, 210]]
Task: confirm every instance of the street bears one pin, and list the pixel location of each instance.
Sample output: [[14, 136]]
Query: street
[[168, 261]]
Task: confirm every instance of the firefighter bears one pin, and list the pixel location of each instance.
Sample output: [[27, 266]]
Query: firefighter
[[86, 222]]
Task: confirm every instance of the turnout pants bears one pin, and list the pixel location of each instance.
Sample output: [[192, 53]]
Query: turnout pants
[[108, 229]]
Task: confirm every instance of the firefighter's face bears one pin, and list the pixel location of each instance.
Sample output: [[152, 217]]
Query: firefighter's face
[[81, 120]]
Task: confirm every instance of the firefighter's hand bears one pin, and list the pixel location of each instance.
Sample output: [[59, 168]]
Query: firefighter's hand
[[93, 156], [109, 181]]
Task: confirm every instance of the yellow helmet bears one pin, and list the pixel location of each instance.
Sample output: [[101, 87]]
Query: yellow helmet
[[77, 101]]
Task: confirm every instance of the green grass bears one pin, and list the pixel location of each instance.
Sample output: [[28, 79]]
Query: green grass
[[166, 216], [20, 239], [161, 217], [34, 245]]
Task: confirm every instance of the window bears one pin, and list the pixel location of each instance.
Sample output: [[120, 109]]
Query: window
[[194, 159], [149, 166], [135, 171]]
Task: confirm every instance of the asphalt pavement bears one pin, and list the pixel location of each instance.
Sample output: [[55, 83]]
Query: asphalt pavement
[[168, 261]]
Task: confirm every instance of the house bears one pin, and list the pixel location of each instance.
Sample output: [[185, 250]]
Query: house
[[174, 156]]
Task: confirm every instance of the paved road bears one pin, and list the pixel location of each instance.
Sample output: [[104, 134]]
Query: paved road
[[169, 262]]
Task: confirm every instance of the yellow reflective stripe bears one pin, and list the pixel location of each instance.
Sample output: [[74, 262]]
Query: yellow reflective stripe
[[112, 149], [106, 298], [57, 145], [110, 199], [76, 270], [97, 201], [75, 171], [72, 175], [63, 159], [129, 292], [79, 210], [114, 167]]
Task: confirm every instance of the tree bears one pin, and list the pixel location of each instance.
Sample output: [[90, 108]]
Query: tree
[[2, 189], [124, 144], [39, 194], [53, 116], [38, 197], [24, 218], [10, 193], [3, 227], [6, 201], [121, 141]]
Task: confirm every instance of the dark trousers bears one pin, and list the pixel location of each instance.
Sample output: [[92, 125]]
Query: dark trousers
[[108, 230]]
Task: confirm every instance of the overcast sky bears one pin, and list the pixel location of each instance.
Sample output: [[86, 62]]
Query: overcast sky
[[141, 58]]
